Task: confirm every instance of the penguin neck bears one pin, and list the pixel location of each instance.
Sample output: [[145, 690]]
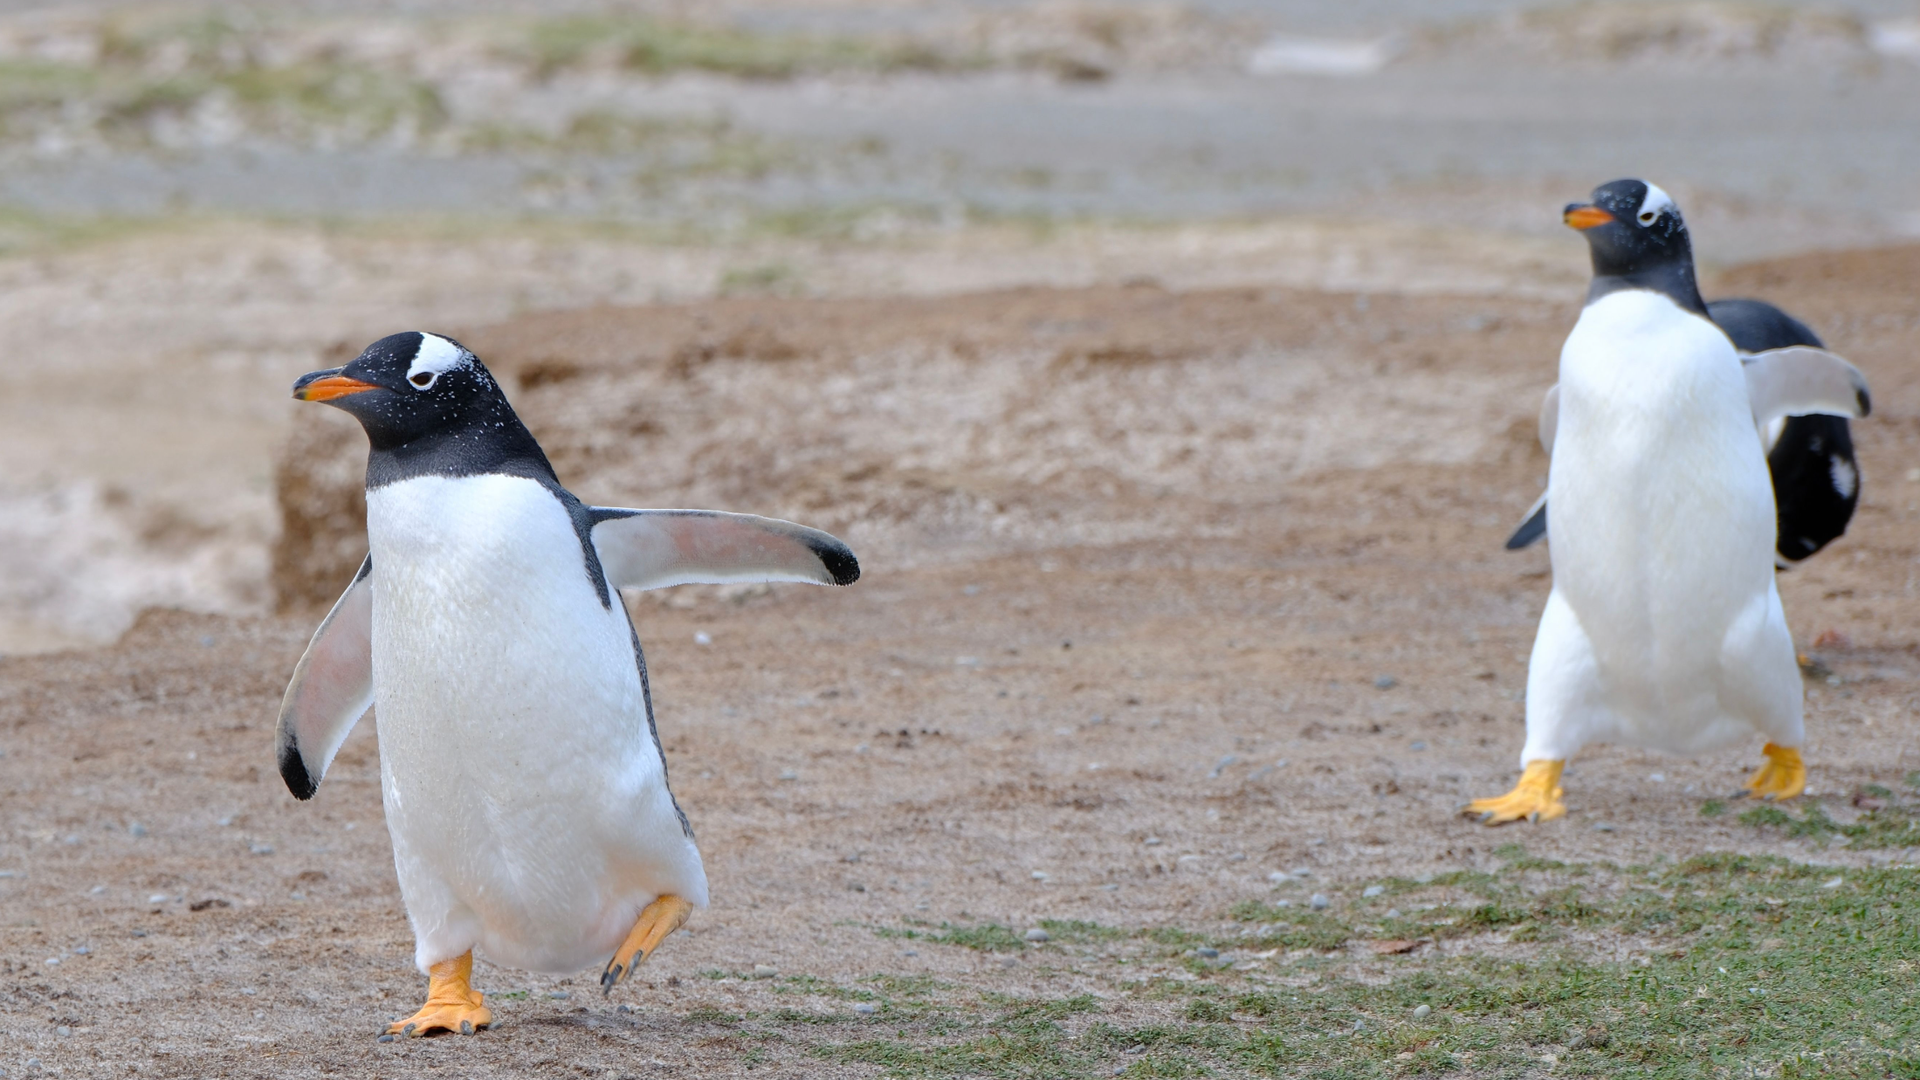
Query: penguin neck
[[495, 442], [1674, 280]]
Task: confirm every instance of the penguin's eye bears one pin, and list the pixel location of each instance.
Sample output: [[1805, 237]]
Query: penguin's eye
[[423, 379], [1648, 217]]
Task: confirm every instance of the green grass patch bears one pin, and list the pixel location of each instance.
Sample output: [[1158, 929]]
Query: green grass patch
[[1891, 822], [1737, 966], [661, 47], [985, 937]]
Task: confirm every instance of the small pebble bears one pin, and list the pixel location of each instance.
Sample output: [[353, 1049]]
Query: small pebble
[[1421, 1012], [1153, 841], [1658, 778], [1007, 961], [1283, 903], [1236, 857], [157, 898], [1385, 682], [139, 933], [1833, 884], [624, 1010], [63, 1031], [1417, 745], [789, 774], [1039, 875], [1359, 1025], [1301, 871], [262, 849], [703, 638], [1319, 902], [53, 961], [226, 821], [248, 991], [1279, 877], [865, 1008], [1373, 890], [1393, 913], [97, 889], [137, 830], [1602, 826], [1423, 879], [1037, 935], [765, 971], [384, 1038], [259, 1014], [557, 995], [82, 950], [1207, 952]]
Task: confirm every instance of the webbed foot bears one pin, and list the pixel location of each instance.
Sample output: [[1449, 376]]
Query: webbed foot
[[452, 1002], [1782, 777], [1536, 797], [660, 918]]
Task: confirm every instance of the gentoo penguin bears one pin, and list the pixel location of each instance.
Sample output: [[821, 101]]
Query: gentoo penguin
[[1664, 627], [1816, 480], [524, 783]]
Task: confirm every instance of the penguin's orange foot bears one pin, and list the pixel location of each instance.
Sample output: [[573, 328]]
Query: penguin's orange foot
[[1782, 777], [1536, 797], [452, 1002], [660, 918]]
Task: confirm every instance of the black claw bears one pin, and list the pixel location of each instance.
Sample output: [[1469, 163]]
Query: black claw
[[466, 1027], [407, 1031]]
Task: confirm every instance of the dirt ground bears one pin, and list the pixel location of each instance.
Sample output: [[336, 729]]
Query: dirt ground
[[1164, 592]]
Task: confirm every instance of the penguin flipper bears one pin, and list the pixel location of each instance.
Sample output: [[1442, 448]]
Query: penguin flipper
[[652, 549], [1803, 381], [332, 688], [1535, 525], [1549, 417], [1532, 529]]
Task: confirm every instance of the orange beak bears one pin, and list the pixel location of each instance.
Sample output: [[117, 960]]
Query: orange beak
[[333, 386], [1586, 217]]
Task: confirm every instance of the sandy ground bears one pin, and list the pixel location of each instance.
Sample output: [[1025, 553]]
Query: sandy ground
[[1164, 591]]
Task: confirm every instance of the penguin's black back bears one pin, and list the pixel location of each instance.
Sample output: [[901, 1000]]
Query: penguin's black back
[[1816, 481]]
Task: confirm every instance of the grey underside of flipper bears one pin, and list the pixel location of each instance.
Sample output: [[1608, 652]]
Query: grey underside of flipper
[[331, 688]]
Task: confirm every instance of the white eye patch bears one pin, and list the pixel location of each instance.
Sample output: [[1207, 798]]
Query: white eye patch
[[1656, 203], [436, 357]]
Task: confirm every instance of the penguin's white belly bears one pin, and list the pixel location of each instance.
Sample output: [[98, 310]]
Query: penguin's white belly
[[524, 791], [1663, 527]]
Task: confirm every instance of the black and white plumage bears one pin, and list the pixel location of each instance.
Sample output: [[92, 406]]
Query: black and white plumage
[[1816, 479], [1664, 628], [524, 784]]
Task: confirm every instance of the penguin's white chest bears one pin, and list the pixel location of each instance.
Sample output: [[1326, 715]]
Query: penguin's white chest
[[1658, 484], [1662, 526], [524, 787]]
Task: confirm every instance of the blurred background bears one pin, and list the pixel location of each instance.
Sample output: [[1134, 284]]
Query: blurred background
[[200, 202]]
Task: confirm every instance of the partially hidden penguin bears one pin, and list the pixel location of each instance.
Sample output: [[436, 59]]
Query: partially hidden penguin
[[1664, 628], [1816, 478], [524, 783]]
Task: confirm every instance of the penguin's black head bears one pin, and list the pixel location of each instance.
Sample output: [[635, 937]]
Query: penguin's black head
[[430, 407], [406, 386], [1638, 240]]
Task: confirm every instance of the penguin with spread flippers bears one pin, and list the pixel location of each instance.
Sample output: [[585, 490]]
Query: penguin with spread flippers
[[1664, 628], [1816, 479], [524, 783]]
